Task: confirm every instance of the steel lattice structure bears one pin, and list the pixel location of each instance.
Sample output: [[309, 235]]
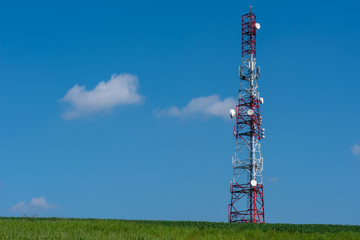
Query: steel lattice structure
[[246, 187]]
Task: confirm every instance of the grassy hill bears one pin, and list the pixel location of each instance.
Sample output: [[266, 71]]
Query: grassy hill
[[60, 228]]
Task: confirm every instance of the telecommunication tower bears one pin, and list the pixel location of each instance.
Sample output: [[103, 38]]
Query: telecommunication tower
[[246, 187]]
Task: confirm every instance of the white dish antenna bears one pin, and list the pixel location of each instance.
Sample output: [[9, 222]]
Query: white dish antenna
[[261, 100], [253, 182], [250, 112], [232, 113], [257, 26]]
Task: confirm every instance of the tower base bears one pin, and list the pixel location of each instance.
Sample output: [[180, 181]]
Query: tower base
[[252, 198]]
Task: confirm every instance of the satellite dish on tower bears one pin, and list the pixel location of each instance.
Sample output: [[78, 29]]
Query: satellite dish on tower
[[253, 182], [261, 100], [257, 26], [232, 113], [250, 112]]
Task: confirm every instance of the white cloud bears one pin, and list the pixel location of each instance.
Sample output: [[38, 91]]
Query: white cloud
[[36, 204], [207, 106], [355, 149], [274, 179], [119, 90]]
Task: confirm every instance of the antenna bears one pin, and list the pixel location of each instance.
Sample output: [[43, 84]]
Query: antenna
[[246, 187]]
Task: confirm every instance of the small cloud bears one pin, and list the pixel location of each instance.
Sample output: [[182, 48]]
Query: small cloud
[[20, 206], [119, 90], [206, 106], [355, 149], [274, 179], [36, 204]]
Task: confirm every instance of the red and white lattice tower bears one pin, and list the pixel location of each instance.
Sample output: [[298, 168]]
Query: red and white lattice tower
[[246, 187]]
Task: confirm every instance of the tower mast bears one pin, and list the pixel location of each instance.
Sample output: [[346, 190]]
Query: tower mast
[[246, 187]]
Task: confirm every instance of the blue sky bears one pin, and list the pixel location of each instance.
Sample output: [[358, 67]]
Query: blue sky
[[154, 144]]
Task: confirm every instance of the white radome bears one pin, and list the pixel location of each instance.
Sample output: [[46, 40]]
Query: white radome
[[261, 100], [253, 182], [250, 112], [257, 26], [232, 113]]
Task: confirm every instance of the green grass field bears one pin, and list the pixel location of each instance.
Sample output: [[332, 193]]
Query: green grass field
[[60, 228]]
